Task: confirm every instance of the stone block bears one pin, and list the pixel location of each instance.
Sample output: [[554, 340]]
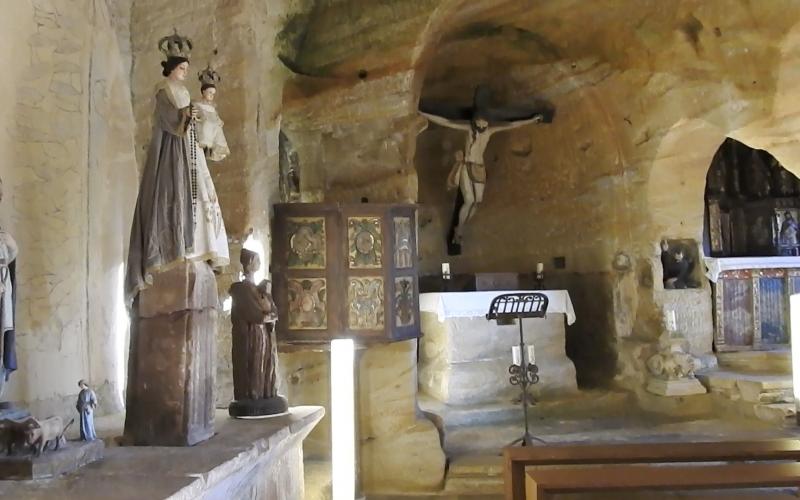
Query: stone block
[[71, 456], [170, 397], [406, 461], [681, 387], [189, 286]]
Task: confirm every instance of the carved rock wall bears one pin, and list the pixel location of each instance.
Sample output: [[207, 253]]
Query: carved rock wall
[[643, 100], [66, 150]]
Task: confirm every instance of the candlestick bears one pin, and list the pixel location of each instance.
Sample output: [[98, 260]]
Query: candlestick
[[516, 355], [531, 354]]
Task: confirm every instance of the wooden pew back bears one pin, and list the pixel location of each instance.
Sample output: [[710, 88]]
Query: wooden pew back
[[541, 484], [517, 458]]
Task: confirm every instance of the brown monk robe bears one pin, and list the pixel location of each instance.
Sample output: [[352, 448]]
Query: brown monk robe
[[253, 344]]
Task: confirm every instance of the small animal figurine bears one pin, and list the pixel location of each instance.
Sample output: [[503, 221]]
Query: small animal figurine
[[13, 432], [50, 429]]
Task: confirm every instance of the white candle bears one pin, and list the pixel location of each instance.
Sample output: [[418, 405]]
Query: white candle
[[671, 321], [531, 355], [446, 268], [540, 268], [516, 355]]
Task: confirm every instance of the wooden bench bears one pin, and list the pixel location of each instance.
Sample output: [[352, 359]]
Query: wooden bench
[[517, 458], [541, 484]]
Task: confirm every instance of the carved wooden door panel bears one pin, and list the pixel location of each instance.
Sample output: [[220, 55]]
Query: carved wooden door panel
[[345, 271]]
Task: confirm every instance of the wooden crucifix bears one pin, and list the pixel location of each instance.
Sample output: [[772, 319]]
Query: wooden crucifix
[[480, 121]]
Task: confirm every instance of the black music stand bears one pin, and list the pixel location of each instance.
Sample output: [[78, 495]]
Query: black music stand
[[516, 306]]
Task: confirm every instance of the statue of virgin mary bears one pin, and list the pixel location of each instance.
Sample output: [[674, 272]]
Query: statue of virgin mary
[[177, 216]]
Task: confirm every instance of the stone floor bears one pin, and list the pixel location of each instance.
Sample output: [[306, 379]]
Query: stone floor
[[473, 440]]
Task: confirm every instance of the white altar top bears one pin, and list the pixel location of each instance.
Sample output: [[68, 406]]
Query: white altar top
[[716, 266], [476, 304]]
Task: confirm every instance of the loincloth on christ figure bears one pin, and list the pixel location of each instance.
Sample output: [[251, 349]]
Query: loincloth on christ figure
[[475, 171]]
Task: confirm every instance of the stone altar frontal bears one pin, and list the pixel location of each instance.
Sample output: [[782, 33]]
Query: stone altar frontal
[[246, 459], [464, 358]]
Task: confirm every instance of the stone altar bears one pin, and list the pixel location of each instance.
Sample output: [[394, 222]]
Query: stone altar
[[247, 459], [464, 358]]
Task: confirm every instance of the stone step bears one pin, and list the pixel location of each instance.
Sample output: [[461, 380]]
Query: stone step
[[594, 402], [776, 361], [749, 387], [475, 474]]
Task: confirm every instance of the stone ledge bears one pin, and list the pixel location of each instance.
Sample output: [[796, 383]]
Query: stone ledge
[[72, 455], [213, 468]]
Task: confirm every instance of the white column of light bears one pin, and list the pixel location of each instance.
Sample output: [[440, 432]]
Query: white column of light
[[121, 325], [343, 442], [794, 314]]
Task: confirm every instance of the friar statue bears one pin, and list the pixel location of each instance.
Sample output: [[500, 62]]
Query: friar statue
[[8, 257], [480, 122], [253, 346]]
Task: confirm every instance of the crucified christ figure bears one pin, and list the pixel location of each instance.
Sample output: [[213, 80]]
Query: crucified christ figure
[[480, 122]]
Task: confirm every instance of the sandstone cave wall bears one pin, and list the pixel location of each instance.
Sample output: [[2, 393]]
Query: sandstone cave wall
[[640, 111], [66, 150]]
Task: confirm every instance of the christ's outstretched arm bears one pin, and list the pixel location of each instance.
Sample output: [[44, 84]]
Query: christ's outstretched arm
[[444, 122], [500, 126]]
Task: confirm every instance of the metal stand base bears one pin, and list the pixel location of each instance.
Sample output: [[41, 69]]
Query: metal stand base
[[526, 440]]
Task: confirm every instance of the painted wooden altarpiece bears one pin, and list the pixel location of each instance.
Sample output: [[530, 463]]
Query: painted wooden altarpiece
[[345, 271]]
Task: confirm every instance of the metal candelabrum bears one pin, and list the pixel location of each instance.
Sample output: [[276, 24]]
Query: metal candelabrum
[[524, 375], [524, 372]]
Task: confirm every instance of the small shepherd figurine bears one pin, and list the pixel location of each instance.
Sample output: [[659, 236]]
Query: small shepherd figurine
[[87, 402]]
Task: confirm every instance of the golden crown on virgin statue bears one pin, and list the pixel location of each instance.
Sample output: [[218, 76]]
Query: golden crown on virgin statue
[[209, 77], [175, 45]]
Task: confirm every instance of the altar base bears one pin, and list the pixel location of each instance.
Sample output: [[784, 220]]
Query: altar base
[[171, 370], [258, 407], [464, 361]]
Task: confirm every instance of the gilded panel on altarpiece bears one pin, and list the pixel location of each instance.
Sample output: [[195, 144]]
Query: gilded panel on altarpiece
[[364, 242], [306, 242], [404, 301], [403, 254], [365, 303], [308, 307]]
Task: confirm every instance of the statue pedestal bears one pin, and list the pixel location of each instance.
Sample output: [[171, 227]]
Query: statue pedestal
[[171, 368], [680, 387], [258, 407], [71, 456]]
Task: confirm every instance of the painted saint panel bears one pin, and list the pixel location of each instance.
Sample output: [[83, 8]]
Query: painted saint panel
[[308, 308], [365, 303], [306, 242], [364, 242], [404, 301], [403, 254]]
